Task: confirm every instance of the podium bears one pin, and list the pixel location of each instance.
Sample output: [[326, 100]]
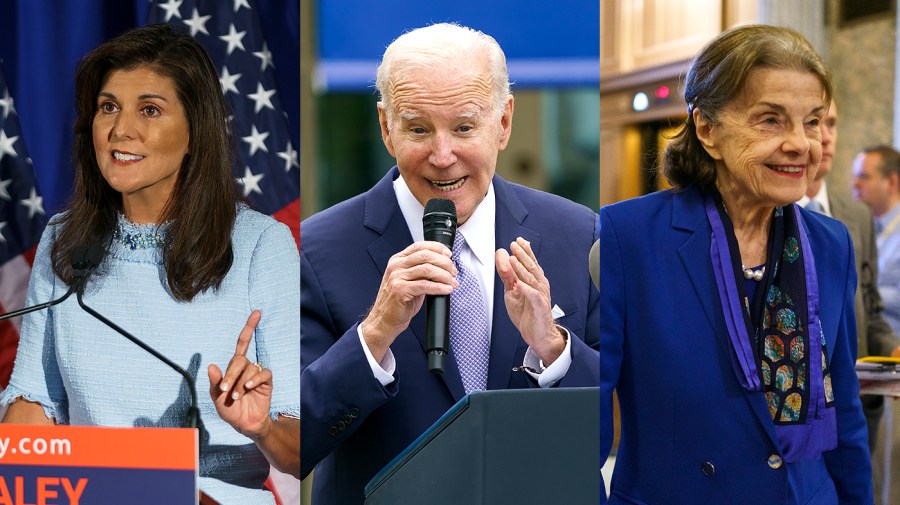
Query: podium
[[94, 465], [502, 447]]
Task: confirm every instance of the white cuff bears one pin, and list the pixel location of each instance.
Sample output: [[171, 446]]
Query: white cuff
[[383, 371], [548, 376]]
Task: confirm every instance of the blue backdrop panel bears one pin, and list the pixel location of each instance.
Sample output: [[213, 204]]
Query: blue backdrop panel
[[546, 43]]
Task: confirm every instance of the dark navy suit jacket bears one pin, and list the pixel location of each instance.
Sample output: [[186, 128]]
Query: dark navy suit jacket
[[353, 426], [690, 432]]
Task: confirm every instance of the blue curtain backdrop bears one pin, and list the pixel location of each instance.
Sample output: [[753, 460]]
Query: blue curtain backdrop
[[41, 42]]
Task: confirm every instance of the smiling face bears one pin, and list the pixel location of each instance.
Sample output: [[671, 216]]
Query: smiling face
[[767, 143], [445, 133], [141, 136]]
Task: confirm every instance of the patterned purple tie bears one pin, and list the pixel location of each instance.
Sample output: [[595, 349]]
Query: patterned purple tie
[[468, 324]]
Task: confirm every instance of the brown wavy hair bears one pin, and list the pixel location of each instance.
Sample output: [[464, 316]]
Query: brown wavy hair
[[718, 74], [202, 209]]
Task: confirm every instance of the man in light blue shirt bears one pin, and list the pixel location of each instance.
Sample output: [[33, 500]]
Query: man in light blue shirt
[[876, 183], [874, 334]]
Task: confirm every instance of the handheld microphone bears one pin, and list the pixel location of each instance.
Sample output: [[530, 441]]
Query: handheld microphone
[[594, 264], [79, 274], [439, 225], [89, 260]]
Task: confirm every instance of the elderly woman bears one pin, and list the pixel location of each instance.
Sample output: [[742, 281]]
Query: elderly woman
[[727, 324], [185, 264]]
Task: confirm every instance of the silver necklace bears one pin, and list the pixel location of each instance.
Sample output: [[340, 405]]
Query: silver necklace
[[755, 275]]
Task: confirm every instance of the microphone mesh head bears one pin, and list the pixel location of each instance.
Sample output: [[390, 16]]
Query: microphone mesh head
[[87, 256], [439, 221], [594, 263], [78, 254], [94, 255], [440, 205]]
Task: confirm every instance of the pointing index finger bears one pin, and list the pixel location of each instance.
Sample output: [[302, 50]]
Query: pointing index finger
[[243, 342]]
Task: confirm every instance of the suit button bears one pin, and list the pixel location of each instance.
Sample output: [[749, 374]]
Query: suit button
[[341, 425], [348, 418], [775, 462], [708, 469], [354, 412], [332, 431]]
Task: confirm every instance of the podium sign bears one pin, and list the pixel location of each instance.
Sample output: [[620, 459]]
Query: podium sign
[[81, 465]]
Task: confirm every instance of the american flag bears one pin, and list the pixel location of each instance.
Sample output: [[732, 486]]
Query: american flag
[[22, 220], [269, 168]]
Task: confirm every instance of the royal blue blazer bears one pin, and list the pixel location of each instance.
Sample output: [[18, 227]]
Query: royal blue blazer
[[689, 432], [352, 425]]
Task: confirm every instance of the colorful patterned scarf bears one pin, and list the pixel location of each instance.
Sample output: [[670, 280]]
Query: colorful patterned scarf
[[771, 334]]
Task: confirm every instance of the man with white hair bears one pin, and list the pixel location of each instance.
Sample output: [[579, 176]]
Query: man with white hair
[[523, 310]]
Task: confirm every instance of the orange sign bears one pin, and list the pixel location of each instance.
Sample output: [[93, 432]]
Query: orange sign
[[71, 465]]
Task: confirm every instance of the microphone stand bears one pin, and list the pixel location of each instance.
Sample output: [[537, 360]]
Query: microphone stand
[[92, 258], [84, 261], [26, 310], [193, 413], [82, 270]]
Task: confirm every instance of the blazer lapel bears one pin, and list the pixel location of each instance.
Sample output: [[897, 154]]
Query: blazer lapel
[[505, 337], [826, 296], [384, 217], [689, 214]]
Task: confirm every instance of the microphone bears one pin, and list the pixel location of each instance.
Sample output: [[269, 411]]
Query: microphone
[[594, 263], [88, 261], [80, 273], [439, 225]]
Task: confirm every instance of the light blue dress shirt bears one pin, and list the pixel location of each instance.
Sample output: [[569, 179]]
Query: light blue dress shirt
[[84, 373], [889, 265]]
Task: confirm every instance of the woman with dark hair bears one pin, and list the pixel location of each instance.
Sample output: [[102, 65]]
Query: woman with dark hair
[[185, 263], [727, 326]]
